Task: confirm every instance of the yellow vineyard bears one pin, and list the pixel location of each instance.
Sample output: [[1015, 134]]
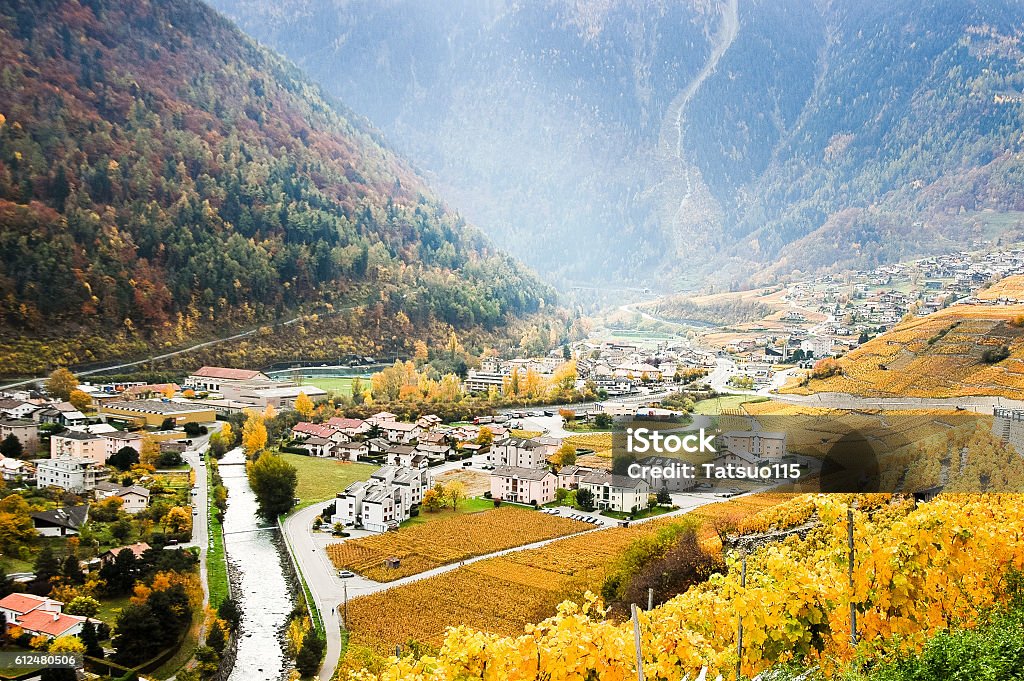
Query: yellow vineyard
[[941, 355], [601, 443], [441, 542], [918, 569], [502, 595]]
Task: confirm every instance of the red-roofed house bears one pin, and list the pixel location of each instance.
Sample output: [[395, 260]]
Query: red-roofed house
[[137, 548], [304, 430], [51, 624], [210, 379], [350, 427], [39, 615]]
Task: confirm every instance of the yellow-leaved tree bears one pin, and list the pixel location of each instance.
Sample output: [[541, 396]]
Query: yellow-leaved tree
[[304, 405], [254, 433]]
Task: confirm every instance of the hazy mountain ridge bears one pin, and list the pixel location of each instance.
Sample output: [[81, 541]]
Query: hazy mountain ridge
[[828, 135]]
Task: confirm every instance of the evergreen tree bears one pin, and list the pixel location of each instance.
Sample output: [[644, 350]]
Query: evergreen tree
[[72, 571], [215, 638], [46, 566], [228, 611], [307, 662], [11, 447], [91, 640]]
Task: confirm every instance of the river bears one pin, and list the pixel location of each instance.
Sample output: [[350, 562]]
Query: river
[[261, 589]]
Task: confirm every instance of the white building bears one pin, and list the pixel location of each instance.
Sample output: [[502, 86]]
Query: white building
[[70, 473], [616, 492], [135, 497], [384, 501], [519, 453], [523, 485]]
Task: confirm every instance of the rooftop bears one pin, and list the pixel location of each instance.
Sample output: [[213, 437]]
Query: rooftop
[[227, 374]]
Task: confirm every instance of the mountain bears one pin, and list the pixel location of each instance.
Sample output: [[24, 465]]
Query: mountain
[[163, 177], [962, 350], [687, 145]]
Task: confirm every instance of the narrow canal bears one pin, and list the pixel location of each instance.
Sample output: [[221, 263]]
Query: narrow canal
[[261, 589]]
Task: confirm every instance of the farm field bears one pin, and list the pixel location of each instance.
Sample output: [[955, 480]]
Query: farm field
[[601, 443], [941, 355], [501, 595], [321, 479], [442, 542]]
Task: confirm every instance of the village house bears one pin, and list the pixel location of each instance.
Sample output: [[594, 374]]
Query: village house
[[405, 456], [349, 427], [400, 432], [318, 446], [39, 616], [138, 548], [381, 417], [62, 413], [17, 409], [305, 430], [135, 497], [60, 522], [569, 476], [523, 485], [758, 443], [16, 471], [350, 451], [619, 493], [429, 421]]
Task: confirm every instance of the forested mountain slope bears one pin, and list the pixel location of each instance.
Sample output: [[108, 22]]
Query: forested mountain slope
[[688, 144], [162, 177]]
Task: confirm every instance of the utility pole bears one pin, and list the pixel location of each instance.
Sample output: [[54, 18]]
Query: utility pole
[[739, 622], [344, 617], [650, 599], [636, 640], [853, 608]]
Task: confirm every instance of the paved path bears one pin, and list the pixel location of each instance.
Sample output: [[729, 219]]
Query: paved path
[[329, 590]]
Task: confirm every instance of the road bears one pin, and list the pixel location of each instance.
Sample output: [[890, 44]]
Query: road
[[200, 503], [174, 353]]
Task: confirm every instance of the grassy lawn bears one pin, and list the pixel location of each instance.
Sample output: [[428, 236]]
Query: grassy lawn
[[582, 427], [716, 405], [109, 607], [646, 513], [337, 384], [216, 562], [322, 479], [472, 505]]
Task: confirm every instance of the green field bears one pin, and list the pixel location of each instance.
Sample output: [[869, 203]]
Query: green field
[[716, 405], [472, 505], [322, 479], [335, 384]]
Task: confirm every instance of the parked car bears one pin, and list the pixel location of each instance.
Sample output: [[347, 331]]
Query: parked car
[[345, 574]]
